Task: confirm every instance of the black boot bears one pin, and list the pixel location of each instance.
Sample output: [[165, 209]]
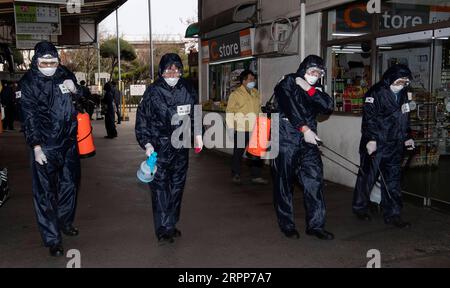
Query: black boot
[[320, 233], [164, 239], [56, 250], [363, 216], [291, 233], [70, 231], [397, 221], [375, 208], [175, 233]]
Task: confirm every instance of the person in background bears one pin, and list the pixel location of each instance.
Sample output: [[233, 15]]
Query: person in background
[[117, 100], [244, 106], [90, 103], [108, 100], [8, 100]]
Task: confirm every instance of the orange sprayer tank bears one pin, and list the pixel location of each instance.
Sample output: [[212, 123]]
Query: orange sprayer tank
[[259, 140], [86, 147]]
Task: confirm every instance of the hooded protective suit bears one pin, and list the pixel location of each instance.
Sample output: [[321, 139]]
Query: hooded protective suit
[[386, 121], [50, 120], [159, 105], [298, 160]]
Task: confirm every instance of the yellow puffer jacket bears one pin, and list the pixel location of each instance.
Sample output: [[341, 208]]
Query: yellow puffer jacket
[[242, 109]]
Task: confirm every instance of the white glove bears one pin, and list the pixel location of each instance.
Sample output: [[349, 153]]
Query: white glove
[[149, 149], [70, 85], [39, 155], [410, 144], [302, 83], [198, 145], [311, 137], [371, 147]]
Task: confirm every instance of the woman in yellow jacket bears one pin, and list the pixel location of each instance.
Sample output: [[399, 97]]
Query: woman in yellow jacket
[[244, 106]]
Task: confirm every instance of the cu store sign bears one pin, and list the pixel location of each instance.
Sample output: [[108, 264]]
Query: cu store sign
[[356, 18], [234, 45]]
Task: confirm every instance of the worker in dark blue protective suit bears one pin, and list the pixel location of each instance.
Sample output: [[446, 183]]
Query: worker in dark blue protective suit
[[8, 101], [108, 100], [299, 98], [385, 134], [48, 93], [169, 98]]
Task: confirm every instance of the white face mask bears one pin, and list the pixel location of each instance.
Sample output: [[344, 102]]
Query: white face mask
[[47, 71], [397, 88], [172, 81], [311, 79], [251, 85]]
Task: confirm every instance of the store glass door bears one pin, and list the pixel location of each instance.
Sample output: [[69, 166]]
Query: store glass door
[[415, 51], [439, 182], [426, 171]]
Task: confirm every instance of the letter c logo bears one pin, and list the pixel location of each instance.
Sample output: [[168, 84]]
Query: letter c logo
[[214, 54], [348, 20]]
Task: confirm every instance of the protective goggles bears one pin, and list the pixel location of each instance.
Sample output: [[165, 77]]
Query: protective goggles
[[48, 61], [402, 81], [172, 70], [313, 71]]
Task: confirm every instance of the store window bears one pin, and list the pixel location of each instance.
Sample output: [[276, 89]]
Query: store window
[[224, 79], [350, 75]]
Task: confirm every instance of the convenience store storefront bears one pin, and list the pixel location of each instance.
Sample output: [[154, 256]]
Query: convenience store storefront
[[227, 56], [359, 47]]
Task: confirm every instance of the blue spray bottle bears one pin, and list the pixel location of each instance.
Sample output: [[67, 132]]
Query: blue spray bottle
[[147, 169]]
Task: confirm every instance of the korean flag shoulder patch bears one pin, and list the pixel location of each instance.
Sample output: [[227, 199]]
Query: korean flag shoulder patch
[[370, 100]]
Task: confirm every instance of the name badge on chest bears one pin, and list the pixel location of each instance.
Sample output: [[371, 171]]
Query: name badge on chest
[[184, 110], [406, 108], [63, 89]]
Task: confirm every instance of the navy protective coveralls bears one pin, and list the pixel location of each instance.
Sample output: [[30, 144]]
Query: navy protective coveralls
[[50, 120], [298, 160], [153, 125], [386, 121]]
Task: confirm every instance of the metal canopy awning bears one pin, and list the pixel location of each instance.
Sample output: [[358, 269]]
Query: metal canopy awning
[[234, 19], [193, 31], [92, 10]]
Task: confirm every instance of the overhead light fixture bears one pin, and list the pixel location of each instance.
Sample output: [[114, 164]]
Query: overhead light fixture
[[347, 34], [442, 38], [385, 47], [346, 46], [353, 50], [344, 52], [231, 60]]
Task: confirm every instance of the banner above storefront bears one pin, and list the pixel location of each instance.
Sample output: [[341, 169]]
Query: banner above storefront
[[234, 45], [354, 18], [37, 19]]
